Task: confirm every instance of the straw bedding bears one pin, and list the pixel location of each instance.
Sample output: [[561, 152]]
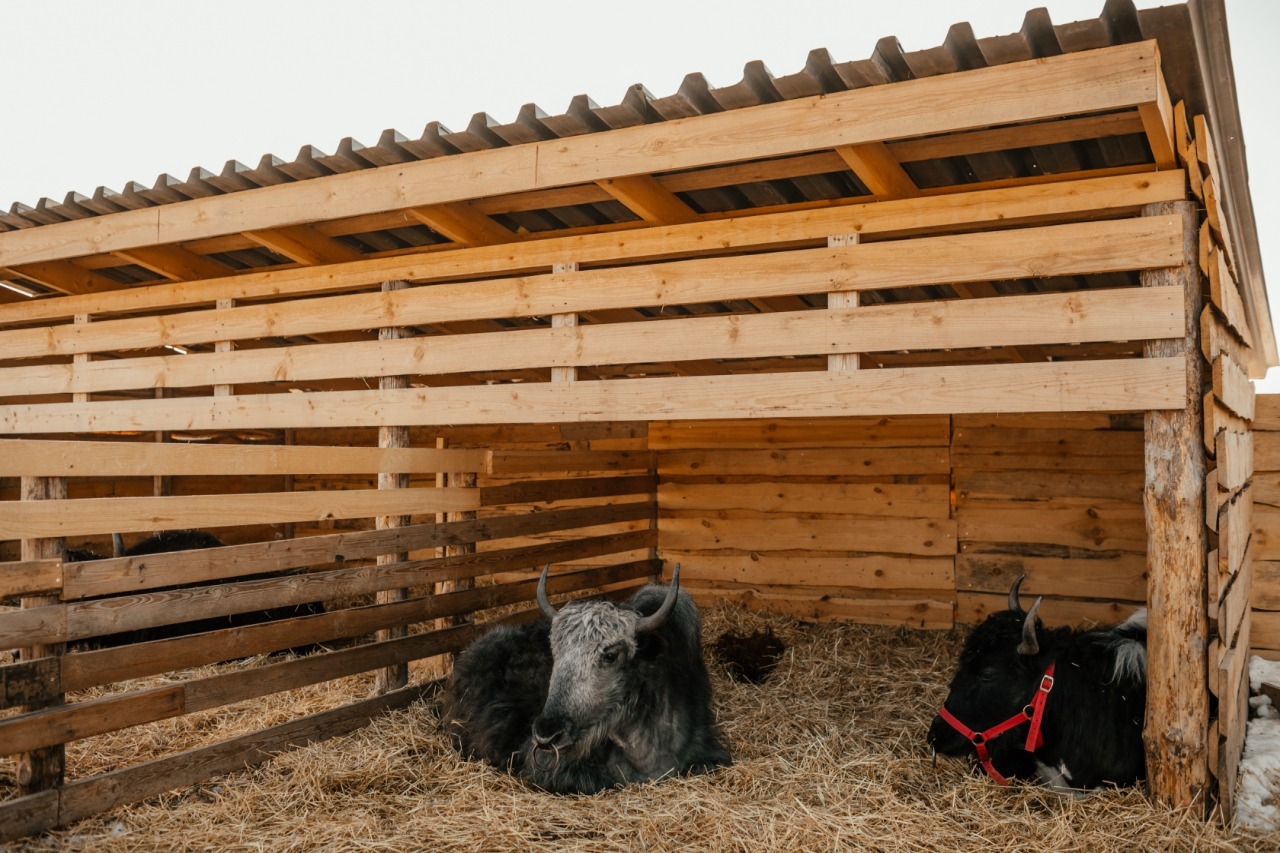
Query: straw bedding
[[829, 754]]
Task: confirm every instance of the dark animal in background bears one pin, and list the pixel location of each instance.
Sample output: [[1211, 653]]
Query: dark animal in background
[[189, 540], [749, 658], [596, 695], [1092, 702]]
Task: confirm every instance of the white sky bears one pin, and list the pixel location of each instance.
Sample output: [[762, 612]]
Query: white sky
[[101, 93]]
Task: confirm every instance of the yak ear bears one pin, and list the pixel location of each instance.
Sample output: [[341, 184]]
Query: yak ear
[[649, 645], [1030, 644]]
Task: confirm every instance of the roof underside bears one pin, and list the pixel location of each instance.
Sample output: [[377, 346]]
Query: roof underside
[[1193, 50]]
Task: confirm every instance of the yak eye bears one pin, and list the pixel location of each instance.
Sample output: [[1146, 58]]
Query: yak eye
[[609, 657]]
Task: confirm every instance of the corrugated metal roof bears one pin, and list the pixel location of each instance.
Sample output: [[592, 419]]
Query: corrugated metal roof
[[1119, 23]]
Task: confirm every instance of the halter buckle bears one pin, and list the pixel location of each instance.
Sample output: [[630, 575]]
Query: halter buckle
[[1046, 683]]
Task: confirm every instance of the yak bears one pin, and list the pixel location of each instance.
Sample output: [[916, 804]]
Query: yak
[[596, 695], [189, 540], [1060, 706]]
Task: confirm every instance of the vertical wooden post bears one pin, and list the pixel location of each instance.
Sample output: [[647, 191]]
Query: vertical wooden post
[[81, 358], [223, 346], [397, 675], [843, 299], [161, 484], [564, 321], [1177, 720], [42, 769]]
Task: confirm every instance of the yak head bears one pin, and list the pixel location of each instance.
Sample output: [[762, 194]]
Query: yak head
[[1000, 667], [599, 649]]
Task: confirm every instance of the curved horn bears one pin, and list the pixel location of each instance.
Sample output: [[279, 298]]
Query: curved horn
[[117, 545], [543, 602], [1014, 604], [655, 619], [1030, 645]]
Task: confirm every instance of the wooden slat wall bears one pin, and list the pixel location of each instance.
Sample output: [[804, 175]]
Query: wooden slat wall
[[588, 511], [1057, 498], [837, 519]]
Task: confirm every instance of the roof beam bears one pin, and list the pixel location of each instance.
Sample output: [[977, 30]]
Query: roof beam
[[174, 262], [63, 276], [462, 224], [1110, 78], [304, 244], [879, 170], [648, 199]]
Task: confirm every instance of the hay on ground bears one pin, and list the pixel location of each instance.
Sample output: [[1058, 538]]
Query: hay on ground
[[829, 754]]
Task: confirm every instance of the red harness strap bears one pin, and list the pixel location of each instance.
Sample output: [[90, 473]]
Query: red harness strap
[[1034, 712]]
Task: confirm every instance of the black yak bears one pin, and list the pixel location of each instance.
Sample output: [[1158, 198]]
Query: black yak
[[596, 695], [189, 540], [1060, 706]]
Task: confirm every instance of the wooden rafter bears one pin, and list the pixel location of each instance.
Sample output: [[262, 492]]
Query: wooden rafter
[[462, 224], [649, 199], [63, 276], [878, 170], [174, 262], [304, 244]]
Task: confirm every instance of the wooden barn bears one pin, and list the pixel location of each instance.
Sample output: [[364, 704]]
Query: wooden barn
[[863, 342]]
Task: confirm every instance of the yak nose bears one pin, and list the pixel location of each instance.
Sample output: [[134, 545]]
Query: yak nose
[[551, 731]]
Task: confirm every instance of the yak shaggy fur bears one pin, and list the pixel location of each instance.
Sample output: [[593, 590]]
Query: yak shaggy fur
[[616, 706], [1093, 716]]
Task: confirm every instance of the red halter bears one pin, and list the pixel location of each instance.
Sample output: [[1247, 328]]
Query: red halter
[[1033, 712]]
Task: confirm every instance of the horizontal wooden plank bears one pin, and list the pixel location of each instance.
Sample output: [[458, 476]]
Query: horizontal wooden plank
[[1266, 530], [879, 499], [134, 574], [1047, 449], [84, 798], [1266, 584], [801, 432], [1092, 524], [924, 536], [1266, 450], [1265, 628], [30, 814], [511, 462], [1073, 249], [64, 723], [1077, 317], [973, 607], [548, 491], [36, 519], [972, 485], [919, 613], [870, 462], [874, 571], [22, 578], [85, 619], [1075, 83], [1122, 385], [1114, 576], [52, 458], [1010, 205], [84, 670]]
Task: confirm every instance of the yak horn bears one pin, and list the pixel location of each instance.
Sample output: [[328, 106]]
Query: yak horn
[[543, 602], [1014, 604], [1030, 645], [117, 545], [655, 619]]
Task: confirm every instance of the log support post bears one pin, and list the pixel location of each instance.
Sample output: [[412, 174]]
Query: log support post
[[42, 769], [843, 299], [397, 675], [1177, 717]]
